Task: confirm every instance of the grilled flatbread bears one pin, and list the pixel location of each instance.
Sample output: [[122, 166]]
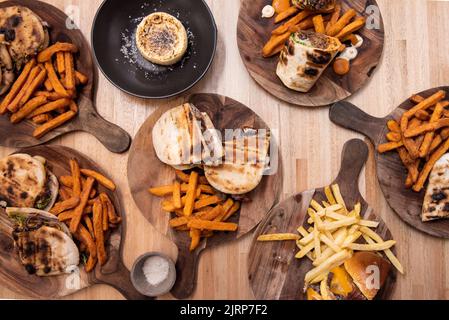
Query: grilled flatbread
[[24, 32], [436, 200], [45, 245], [304, 58], [315, 5]]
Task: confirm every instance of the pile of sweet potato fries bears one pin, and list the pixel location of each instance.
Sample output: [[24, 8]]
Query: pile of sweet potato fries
[[198, 207], [46, 89], [341, 25], [421, 137], [88, 213]]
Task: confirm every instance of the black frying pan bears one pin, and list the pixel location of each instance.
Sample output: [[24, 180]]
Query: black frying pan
[[113, 42]]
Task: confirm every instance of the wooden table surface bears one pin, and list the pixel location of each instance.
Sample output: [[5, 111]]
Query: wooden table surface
[[415, 58]]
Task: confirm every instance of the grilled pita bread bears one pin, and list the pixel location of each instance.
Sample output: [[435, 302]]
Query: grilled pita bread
[[436, 199], [44, 243], [245, 161], [25, 33], [184, 136]]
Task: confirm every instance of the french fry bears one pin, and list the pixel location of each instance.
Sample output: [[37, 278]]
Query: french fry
[[318, 23], [84, 236], [65, 205], [101, 179], [372, 247], [57, 86], [52, 124], [352, 27], [212, 225], [49, 107], [98, 231], [13, 106], [332, 262], [278, 237], [76, 177], [285, 14], [191, 193], [82, 78], [341, 23], [27, 109], [46, 54], [17, 86], [70, 80], [78, 211]]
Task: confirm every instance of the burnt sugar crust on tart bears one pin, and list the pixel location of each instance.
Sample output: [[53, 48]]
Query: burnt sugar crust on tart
[[304, 58], [161, 39], [315, 5]]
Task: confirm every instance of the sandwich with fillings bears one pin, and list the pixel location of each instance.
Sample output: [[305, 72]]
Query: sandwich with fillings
[[315, 5]]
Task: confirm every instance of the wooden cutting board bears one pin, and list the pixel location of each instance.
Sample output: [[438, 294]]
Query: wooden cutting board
[[390, 171], [21, 135], [113, 273], [273, 270], [145, 171], [253, 32]]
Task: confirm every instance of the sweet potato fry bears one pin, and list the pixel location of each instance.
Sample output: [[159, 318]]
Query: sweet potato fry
[[84, 197], [177, 195], [17, 86], [210, 215], [393, 126], [60, 63], [184, 177], [112, 216], [52, 96], [341, 23], [73, 106], [52, 124], [235, 207], [49, 107], [427, 127], [318, 23], [351, 38], [334, 17], [105, 216], [195, 235], [42, 118], [65, 205], [161, 191], [57, 86], [90, 226], [394, 136], [84, 236], [105, 182], [293, 21], [410, 144], [191, 193], [70, 80], [212, 225], [422, 115], [352, 27], [385, 147], [436, 142], [207, 201], [35, 84], [425, 104], [98, 231], [47, 85], [428, 138], [76, 177], [177, 222], [82, 78], [28, 108], [64, 193], [14, 105], [419, 185], [285, 14], [46, 54], [416, 98], [275, 41]]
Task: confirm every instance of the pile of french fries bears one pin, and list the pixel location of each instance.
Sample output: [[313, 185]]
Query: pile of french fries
[[89, 214], [46, 90], [341, 25], [199, 208], [421, 137], [334, 234]]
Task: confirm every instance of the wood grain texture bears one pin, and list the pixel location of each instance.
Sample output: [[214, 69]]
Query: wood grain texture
[[225, 113], [310, 144], [390, 170], [253, 32], [274, 272], [21, 135], [114, 273]]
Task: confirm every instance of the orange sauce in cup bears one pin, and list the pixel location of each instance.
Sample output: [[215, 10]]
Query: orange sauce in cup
[[281, 5]]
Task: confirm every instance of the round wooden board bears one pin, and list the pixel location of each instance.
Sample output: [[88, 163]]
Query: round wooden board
[[21, 135], [253, 32], [145, 171], [14, 276], [274, 272], [390, 171]]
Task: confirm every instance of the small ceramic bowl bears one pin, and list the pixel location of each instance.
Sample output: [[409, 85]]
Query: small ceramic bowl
[[140, 282]]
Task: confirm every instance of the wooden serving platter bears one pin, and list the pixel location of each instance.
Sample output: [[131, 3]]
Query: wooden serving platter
[[253, 32], [390, 171], [114, 273], [21, 135], [145, 170], [273, 271]]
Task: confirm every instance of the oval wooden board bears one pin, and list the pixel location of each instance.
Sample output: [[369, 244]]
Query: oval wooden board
[[274, 272], [114, 272], [390, 171], [21, 135], [253, 32], [145, 170]]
